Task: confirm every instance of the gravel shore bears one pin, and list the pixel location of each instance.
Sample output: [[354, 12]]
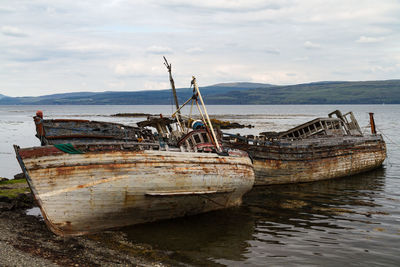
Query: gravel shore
[[26, 241]]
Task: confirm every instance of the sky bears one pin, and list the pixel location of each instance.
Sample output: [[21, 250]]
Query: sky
[[57, 46]]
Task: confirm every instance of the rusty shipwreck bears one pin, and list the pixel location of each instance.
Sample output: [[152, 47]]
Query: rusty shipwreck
[[95, 183], [323, 148]]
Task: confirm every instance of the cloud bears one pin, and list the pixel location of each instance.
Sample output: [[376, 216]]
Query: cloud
[[272, 51], [138, 68], [341, 73], [194, 50], [231, 71], [150, 85], [159, 50], [116, 85], [365, 39], [129, 68], [378, 68], [301, 59], [12, 31], [226, 5], [24, 54], [6, 10], [276, 77], [310, 45], [89, 46]]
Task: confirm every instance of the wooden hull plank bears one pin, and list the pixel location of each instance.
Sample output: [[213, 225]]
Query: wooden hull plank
[[86, 193]]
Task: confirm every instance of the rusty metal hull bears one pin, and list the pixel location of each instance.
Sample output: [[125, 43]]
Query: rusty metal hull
[[314, 159], [85, 193]]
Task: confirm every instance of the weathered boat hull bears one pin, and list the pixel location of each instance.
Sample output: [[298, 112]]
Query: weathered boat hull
[[60, 131], [85, 193], [314, 159]]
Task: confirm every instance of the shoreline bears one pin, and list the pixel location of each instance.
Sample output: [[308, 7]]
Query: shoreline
[[25, 240]]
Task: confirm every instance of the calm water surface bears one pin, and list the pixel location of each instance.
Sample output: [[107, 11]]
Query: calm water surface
[[353, 221]]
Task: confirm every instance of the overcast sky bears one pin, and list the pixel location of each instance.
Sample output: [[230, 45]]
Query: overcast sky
[[55, 46]]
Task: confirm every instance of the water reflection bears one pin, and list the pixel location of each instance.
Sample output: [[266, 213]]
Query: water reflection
[[299, 204], [199, 239], [270, 219], [321, 219]]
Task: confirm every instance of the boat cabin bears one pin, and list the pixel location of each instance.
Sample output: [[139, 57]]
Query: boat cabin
[[197, 141], [335, 125], [340, 125]]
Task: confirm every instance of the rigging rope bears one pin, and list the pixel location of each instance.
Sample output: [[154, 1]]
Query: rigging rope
[[387, 137]]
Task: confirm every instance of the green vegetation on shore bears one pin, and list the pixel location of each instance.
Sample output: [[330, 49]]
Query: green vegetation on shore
[[12, 188], [13, 181], [13, 192]]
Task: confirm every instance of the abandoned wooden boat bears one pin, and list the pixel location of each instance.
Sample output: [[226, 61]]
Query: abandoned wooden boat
[[89, 186], [101, 186], [323, 148], [60, 131]]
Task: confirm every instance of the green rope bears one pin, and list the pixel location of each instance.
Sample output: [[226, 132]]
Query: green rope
[[68, 148]]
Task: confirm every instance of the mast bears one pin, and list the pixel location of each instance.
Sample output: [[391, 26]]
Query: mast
[[205, 112], [171, 80]]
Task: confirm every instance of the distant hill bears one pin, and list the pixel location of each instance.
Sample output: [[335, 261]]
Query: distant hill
[[339, 92], [151, 97], [368, 92]]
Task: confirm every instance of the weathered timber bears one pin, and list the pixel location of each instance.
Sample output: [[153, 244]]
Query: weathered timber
[[59, 131], [287, 161], [332, 126], [114, 185], [323, 148]]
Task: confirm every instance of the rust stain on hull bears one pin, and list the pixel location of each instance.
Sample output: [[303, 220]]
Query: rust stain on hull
[[281, 172], [322, 148], [86, 193], [314, 159]]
